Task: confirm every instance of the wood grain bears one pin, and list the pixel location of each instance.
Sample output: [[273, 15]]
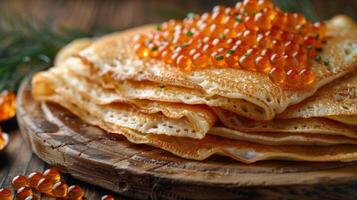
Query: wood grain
[[94, 156]]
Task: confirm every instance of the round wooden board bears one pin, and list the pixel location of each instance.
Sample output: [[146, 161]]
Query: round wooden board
[[94, 156]]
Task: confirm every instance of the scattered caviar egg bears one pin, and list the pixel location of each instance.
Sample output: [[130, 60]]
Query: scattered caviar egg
[[262, 21], [23, 192], [75, 192], [263, 64], [2, 140], [7, 105], [5, 194], [107, 197], [34, 178], [166, 56], [19, 181], [60, 189], [225, 37], [307, 76], [53, 174], [291, 62], [45, 185], [232, 59], [32, 198], [277, 75], [250, 23], [200, 60], [278, 60], [184, 62], [141, 50], [265, 4], [292, 79], [247, 61], [279, 20], [250, 6]]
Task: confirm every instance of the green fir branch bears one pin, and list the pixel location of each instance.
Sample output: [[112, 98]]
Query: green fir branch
[[26, 46]]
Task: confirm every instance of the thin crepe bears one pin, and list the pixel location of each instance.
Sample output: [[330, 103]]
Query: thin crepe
[[261, 99], [202, 149], [143, 116], [94, 93], [338, 98]]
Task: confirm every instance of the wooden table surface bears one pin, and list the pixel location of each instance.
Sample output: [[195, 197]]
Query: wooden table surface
[[18, 159]]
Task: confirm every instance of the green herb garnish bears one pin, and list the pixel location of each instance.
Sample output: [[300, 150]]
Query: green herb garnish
[[230, 52], [189, 33], [326, 62], [154, 48], [309, 46], [219, 57], [318, 58], [28, 45]]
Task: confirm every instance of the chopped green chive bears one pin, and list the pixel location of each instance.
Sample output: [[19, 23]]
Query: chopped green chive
[[309, 46], [189, 33], [158, 27], [155, 48], [223, 36], [318, 58], [326, 62], [219, 57], [230, 52]]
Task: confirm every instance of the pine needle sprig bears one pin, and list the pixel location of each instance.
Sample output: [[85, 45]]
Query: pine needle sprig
[[26, 46]]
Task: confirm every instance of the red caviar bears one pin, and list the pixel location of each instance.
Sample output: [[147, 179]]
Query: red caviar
[[254, 35], [7, 105]]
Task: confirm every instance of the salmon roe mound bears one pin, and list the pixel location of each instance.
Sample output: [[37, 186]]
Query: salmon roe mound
[[254, 35]]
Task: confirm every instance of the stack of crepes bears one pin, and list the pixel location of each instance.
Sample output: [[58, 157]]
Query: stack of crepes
[[225, 111]]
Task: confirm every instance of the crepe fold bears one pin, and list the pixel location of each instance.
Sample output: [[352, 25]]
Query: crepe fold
[[140, 115], [230, 112], [282, 133], [337, 101], [330, 112], [254, 95], [201, 149]]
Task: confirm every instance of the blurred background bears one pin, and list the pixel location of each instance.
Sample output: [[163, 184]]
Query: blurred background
[[32, 31], [90, 15]]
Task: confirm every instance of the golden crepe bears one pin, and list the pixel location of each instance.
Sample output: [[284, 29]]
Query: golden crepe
[[75, 85], [259, 99], [106, 84], [337, 101], [201, 149], [143, 116]]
